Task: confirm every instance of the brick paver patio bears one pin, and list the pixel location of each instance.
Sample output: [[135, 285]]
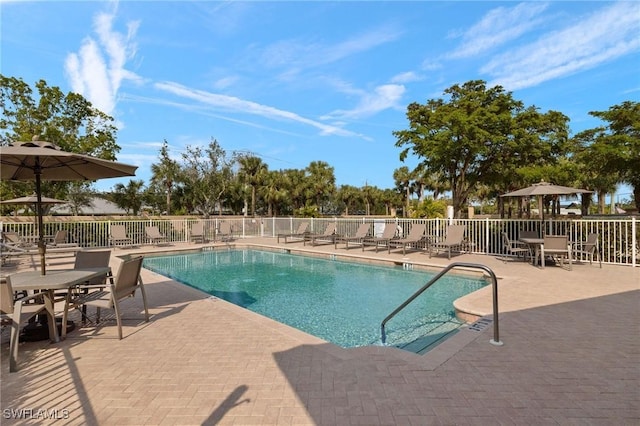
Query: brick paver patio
[[571, 355]]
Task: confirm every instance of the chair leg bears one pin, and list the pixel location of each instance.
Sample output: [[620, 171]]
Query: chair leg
[[144, 301], [13, 345], [116, 307]]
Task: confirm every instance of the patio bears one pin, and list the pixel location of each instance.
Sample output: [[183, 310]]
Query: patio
[[570, 355]]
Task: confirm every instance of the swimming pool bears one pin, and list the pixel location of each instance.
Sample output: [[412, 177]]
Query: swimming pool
[[338, 301]]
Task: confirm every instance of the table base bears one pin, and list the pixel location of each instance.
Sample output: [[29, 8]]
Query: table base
[[39, 330]]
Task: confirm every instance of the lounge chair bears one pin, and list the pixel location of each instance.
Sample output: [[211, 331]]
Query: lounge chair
[[327, 237], [154, 236], [13, 239], [453, 240], [556, 246], [361, 233], [14, 312], [197, 232], [60, 239], [118, 236], [388, 233], [126, 283], [224, 232], [415, 238], [514, 248], [298, 235]]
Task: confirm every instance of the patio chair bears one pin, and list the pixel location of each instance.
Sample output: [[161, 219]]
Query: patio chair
[[13, 312], [388, 233], [298, 235], [87, 259], [515, 248], [197, 232], [328, 236], [125, 284], [361, 233], [587, 249], [13, 239], [118, 236], [415, 238], [60, 239], [453, 239], [224, 232], [556, 246], [154, 236]]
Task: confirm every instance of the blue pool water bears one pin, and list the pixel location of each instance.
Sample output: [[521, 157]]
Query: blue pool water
[[341, 302]]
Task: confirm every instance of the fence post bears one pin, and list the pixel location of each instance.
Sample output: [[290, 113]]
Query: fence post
[[634, 243]]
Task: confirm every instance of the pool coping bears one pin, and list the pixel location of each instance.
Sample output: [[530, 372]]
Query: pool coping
[[438, 354]]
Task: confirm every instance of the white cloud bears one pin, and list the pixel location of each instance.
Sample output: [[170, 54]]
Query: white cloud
[[497, 27], [382, 98], [607, 34], [97, 70], [241, 106], [302, 54], [406, 77]]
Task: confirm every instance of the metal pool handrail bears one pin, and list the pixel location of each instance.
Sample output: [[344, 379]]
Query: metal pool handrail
[[494, 285]]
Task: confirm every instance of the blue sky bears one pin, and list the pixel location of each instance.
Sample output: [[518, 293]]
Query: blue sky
[[295, 82]]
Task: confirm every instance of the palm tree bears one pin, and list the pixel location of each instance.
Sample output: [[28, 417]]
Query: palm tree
[[165, 173], [402, 177], [322, 181], [252, 172]]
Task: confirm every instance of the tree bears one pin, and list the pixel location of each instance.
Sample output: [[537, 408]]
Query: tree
[[207, 174], [273, 191], [321, 182], [79, 195], [402, 177], [165, 173], [129, 197], [348, 195], [479, 135], [68, 120], [252, 172], [615, 147]]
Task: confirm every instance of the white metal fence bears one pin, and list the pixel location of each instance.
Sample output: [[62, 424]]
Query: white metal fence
[[618, 239]]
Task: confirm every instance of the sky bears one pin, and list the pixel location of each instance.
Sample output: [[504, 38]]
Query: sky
[[294, 82]]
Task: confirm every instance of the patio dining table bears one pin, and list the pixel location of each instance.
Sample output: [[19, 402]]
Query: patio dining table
[[62, 279], [534, 244]]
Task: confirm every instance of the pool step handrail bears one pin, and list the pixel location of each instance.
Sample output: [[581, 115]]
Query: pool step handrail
[[494, 286]]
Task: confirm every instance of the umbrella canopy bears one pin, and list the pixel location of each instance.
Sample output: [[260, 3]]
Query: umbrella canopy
[[32, 199], [37, 160], [545, 188]]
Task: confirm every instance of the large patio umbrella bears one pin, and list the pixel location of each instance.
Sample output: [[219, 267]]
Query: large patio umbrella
[[39, 160], [543, 188], [32, 201]]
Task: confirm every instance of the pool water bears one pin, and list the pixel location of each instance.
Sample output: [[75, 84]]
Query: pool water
[[338, 301]]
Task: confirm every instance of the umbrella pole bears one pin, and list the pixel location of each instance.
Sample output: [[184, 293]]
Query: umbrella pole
[[42, 248]]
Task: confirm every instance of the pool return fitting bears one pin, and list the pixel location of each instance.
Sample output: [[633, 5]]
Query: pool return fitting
[[494, 286]]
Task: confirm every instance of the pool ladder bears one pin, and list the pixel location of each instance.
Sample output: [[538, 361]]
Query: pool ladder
[[494, 286]]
